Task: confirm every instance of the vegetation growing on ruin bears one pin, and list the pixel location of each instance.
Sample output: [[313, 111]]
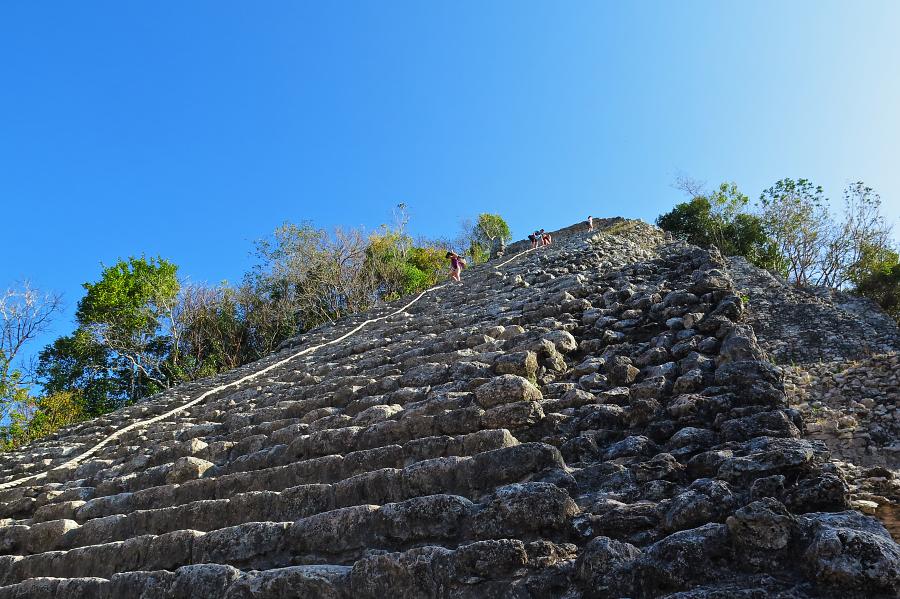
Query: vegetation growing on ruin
[[795, 231], [141, 328]]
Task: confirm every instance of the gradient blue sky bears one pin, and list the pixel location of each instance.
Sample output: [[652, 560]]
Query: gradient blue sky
[[188, 129]]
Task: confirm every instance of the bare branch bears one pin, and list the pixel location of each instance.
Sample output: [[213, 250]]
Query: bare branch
[[25, 313], [692, 188]]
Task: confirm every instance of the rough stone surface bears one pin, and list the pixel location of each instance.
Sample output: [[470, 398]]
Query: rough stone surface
[[596, 418]]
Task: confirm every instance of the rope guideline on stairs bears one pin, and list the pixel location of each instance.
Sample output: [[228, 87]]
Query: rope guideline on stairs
[[245, 379]]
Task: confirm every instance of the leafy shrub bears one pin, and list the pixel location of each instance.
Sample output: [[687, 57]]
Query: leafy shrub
[[881, 283], [47, 415], [718, 219], [140, 329]]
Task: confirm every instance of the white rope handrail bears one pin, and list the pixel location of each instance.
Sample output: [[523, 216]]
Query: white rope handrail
[[115, 435]]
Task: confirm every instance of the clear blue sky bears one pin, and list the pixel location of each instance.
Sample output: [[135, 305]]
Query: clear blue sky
[[188, 129]]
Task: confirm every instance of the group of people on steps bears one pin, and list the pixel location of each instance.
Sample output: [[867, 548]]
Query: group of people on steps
[[539, 237], [457, 263]]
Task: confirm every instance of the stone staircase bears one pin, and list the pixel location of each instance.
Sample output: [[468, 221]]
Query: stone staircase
[[586, 419]]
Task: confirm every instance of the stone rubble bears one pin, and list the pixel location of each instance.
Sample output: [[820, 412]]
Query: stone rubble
[[802, 326], [597, 418], [841, 358], [853, 406]]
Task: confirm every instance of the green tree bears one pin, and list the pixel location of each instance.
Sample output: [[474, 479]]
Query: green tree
[[490, 227], [479, 238], [56, 410], [859, 243], [127, 342], [130, 312], [690, 220], [401, 266], [77, 362], [425, 266], [796, 217], [490, 232], [746, 236], [718, 219], [879, 279], [386, 260], [818, 247]]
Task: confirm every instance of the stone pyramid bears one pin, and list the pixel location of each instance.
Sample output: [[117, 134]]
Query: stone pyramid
[[596, 418]]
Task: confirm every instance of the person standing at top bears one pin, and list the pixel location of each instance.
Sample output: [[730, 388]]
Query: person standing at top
[[590, 223], [456, 265]]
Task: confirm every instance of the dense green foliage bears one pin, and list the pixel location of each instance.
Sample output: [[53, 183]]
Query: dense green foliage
[[77, 361], [42, 417], [481, 238], [794, 232], [401, 267], [125, 345], [423, 267], [717, 219], [879, 280]]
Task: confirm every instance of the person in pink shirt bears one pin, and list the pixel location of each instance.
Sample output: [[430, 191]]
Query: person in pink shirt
[[456, 265]]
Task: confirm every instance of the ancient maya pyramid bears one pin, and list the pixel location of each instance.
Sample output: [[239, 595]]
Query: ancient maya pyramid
[[592, 419]]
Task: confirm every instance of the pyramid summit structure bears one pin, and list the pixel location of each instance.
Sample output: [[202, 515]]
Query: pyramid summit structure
[[618, 414]]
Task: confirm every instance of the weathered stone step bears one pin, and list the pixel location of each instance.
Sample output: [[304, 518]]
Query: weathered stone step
[[464, 476], [324, 469], [254, 443], [512, 416], [523, 510], [475, 569], [297, 463]]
